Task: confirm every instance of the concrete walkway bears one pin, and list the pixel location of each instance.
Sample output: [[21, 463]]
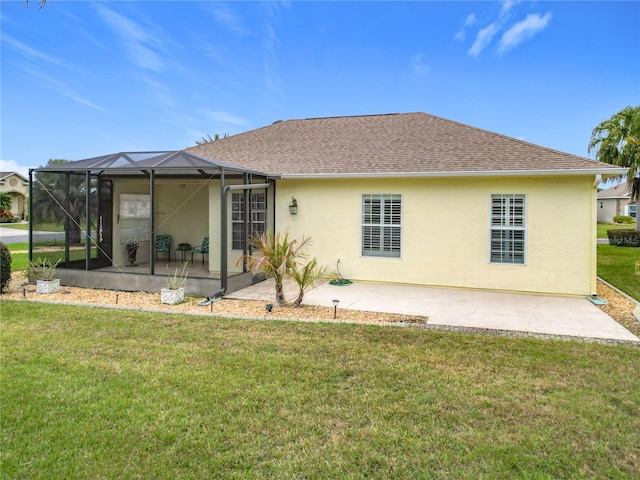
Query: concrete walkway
[[474, 309]]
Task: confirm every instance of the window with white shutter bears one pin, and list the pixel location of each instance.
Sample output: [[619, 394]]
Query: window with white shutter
[[507, 237], [381, 225]]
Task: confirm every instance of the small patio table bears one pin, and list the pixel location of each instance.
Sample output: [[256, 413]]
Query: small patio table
[[183, 251]]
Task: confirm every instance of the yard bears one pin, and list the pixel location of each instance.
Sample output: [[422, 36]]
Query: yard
[[603, 227], [616, 265], [86, 394]]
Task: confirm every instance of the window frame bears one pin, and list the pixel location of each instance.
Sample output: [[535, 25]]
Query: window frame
[[139, 217], [633, 214], [237, 216], [390, 233], [510, 227]]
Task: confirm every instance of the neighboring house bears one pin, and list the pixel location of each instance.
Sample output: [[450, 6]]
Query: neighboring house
[[18, 189], [407, 198], [615, 201]]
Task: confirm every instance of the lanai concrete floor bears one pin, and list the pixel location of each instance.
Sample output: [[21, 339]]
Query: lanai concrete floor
[[537, 314]]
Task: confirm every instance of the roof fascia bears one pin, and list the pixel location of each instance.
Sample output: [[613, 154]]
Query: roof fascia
[[606, 173], [9, 174]]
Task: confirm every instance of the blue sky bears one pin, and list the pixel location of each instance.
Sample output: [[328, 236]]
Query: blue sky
[[83, 78]]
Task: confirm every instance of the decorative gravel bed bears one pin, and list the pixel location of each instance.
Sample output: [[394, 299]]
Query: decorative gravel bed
[[19, 289], [619, 307]]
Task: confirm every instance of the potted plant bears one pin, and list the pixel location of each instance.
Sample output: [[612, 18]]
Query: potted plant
[[132, 250], [174, 293], [44, 271]]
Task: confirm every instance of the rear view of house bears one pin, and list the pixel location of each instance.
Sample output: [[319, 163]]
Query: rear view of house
[[407, 198]]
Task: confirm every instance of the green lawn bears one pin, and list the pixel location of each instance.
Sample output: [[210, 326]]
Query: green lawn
[[45, 227], [603, 227], [90, 394], [617, 266], [20, 255]]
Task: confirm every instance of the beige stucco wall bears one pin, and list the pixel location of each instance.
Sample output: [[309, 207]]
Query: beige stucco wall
[[610, 207], [446, 231], [18, 189]]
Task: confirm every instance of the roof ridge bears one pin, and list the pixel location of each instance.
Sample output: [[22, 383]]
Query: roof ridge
[[507, 137]]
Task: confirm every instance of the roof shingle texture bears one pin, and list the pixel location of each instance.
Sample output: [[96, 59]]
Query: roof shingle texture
[[410, 143], [620, 190]]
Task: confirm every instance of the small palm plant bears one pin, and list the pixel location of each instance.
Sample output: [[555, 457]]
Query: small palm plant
[[276, 258], [306, 277]]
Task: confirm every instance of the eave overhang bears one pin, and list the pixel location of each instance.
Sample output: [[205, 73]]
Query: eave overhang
[[605, 173]]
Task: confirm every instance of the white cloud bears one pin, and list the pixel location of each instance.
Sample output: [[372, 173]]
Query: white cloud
[[523, 30], [32, 53], [62, 88], [224, 117], [469, 21], [228, 19], [419, 65], [483, 39], [13, 166], [507, 5], [139, 43]]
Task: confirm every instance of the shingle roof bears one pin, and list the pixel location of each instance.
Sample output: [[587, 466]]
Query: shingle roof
[[621, 190], [391, 144], [4, 175]]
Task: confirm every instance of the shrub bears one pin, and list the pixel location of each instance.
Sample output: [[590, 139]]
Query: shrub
[[5, 266], [623, 219], [6, 216], [624, 238]]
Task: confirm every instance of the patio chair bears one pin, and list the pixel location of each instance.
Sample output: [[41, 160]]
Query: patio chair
[[163, 244], [201, 249]]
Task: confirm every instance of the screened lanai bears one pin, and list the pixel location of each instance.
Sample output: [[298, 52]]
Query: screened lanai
[[168, 203]]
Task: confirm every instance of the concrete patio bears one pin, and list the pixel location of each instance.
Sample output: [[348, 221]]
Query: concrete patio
[[541, 314]]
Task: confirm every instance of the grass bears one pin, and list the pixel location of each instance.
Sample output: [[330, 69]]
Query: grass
[[90, 394], [20, 255], [617, 266], [45, 227], [603, 227]]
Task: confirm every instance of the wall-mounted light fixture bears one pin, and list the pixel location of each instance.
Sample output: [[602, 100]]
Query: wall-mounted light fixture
[[335, 308], [293, 206]]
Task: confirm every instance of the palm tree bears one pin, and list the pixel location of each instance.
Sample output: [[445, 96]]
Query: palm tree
[[50, 197], [306, 277], [208, 139], [42, 2], [617, 141], [276, 258]]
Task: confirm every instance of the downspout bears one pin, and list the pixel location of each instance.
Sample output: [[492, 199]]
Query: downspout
[[593, 270], [223, 220], [223, 236], [246, 227], [30, 215]]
